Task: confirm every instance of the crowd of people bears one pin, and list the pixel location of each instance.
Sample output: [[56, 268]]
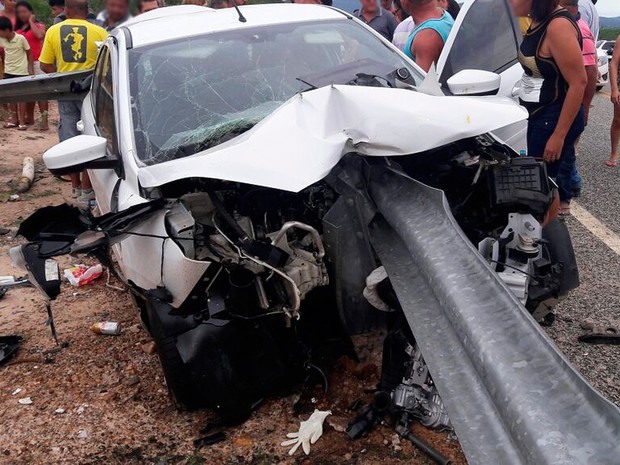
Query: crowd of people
[[557, 53]]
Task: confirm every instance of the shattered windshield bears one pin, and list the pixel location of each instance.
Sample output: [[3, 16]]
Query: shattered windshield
[[195, 93]]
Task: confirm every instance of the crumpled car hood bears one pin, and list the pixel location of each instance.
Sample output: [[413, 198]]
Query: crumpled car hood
[[299, 143]]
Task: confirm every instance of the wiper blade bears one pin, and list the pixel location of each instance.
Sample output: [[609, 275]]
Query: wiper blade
[[312, 86]]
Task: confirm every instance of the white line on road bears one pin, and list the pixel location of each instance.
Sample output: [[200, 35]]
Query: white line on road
[[602, 232]]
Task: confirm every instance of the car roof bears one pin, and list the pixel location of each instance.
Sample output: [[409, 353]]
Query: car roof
[[175, 22]]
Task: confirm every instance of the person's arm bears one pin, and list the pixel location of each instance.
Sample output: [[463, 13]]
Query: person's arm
[[564, 47], [47, 59], [30, 62], [613, 73], [426, 48], [588, 95], [47, 67], [392, 23], [38, 29]]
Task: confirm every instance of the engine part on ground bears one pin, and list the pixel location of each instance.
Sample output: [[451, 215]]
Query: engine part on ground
[[402, 429], [371, 416], [483, 349], [8, 347], [309, 432], [417, 394], [601, 332], [371, 293]]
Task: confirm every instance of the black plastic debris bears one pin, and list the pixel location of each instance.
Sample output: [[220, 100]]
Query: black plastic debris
[[8, 347], [210, 439], [4, 231], [3, 291], [601, 333]]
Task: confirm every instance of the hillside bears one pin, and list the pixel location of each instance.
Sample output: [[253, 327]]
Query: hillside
[[610, 23]]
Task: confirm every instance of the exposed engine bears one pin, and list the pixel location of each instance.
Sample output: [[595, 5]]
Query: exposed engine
[[271, 253]]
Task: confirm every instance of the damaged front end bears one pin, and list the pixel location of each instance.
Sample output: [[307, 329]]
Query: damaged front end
[[242, 287]]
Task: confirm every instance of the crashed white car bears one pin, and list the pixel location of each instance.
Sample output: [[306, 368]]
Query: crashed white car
[[272, 179]]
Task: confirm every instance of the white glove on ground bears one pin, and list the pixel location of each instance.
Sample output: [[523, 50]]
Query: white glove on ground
[[309, 432]]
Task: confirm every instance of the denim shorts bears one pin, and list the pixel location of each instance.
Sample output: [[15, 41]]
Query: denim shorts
[[70, 113], [539, 128]]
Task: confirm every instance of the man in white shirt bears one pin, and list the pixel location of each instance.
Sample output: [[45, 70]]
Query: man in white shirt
[[590, 15]]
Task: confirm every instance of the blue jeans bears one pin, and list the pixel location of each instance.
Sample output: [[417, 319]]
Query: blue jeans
[[539, 129]]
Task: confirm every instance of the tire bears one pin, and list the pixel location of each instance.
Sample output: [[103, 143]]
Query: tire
[[177, 374]]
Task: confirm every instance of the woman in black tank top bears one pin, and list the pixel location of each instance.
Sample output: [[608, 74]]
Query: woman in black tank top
[[552, 88]]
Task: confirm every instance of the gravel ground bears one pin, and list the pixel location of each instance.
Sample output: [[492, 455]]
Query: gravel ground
[[601, 184], [111, 391]]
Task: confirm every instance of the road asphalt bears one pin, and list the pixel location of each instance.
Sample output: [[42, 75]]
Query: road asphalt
[[598, 297]]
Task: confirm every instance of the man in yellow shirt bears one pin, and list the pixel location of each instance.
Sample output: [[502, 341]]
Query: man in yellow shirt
[[72, 45]]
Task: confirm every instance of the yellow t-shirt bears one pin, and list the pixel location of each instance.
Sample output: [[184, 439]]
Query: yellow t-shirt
[[72, 45], [524, 24], [15, 59]]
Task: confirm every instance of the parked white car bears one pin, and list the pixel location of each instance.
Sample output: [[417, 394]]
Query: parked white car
[[603, 68]]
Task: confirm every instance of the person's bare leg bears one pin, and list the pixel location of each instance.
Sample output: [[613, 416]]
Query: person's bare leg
[[14, 113], [75, 181], [21, 109], [29, 119], [615, 136], [86, 185], [44, 110]]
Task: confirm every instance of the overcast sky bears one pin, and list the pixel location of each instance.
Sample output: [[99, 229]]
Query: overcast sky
[[608, 8]]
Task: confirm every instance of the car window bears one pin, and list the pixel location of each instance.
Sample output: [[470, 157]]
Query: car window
[[197, 92], [103, 100], [483, 44]]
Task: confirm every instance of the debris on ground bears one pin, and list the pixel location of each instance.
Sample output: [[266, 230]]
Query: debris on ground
[[80, 275], [309, 432], [27, 177], [605, 332], [8, 347], [25, 401], [16, 391], [148, 347], [210, 439], [109, 328]]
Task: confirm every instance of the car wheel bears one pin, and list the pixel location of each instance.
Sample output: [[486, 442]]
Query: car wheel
[[177, 375]]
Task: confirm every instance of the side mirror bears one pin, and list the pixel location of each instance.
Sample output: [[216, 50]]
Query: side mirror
[[76, 154], [474, 82]]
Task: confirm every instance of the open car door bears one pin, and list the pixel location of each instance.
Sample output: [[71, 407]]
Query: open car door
[[486, 37]]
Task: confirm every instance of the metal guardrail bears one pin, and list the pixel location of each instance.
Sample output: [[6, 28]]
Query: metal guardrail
[[512, 397], [56, 86]]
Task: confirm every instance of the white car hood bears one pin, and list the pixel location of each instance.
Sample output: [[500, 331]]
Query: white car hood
[[299, 143]]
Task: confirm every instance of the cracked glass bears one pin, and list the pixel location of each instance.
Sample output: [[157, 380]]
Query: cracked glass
[[195, 93]]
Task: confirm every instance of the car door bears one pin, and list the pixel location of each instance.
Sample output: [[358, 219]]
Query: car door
[[485, 36], [102, 121]]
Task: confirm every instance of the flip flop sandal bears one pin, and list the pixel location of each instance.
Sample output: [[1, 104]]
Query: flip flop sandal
[[10, 125], [611, 164], [22, 127]]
